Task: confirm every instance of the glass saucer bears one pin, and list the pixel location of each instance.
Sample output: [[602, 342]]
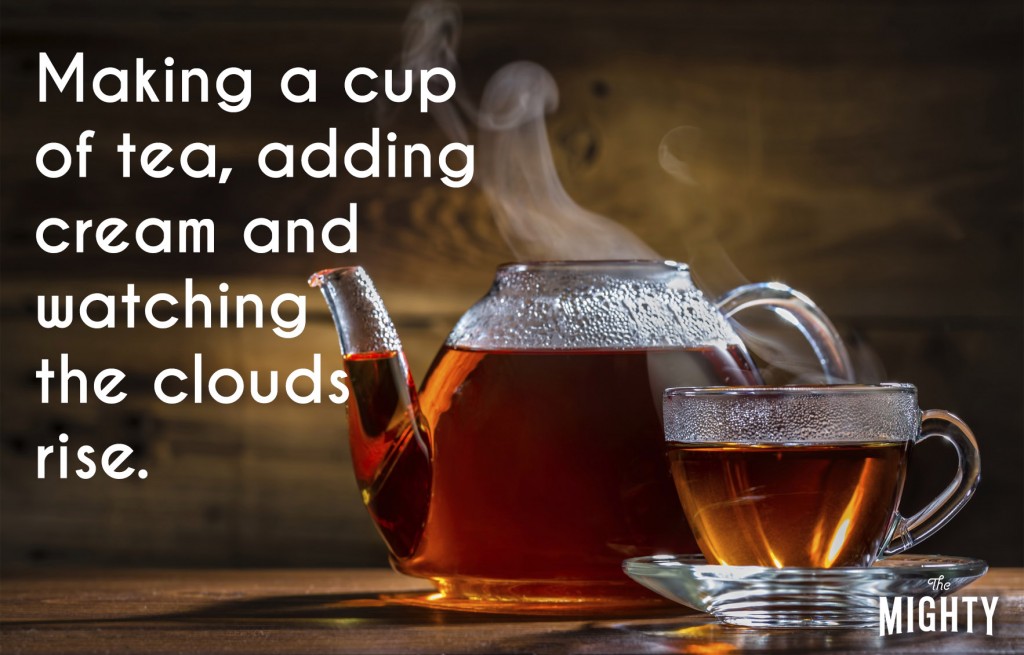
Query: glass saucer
[[762, 597]]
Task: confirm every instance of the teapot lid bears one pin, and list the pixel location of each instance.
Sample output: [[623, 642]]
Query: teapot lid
[[600, 304]]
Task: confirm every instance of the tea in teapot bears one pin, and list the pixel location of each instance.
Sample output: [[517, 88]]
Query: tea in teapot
[[531, 462]]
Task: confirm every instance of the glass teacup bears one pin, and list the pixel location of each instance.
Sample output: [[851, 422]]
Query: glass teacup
[[807, 476]]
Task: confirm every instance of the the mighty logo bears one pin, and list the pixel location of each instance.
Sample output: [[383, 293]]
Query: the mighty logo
[[905, 614]]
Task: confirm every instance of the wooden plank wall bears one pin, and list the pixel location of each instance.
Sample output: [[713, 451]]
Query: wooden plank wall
[[867, 153]]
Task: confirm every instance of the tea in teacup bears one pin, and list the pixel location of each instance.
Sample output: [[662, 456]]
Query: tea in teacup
[[806, 476], [789, 505]]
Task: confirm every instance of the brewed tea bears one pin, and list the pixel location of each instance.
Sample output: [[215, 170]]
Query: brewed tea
[[777, 505], [385, 448], [548, 465]]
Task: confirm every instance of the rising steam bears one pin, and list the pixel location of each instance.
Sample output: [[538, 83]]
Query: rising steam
[[675, 151], [782, 354], [431, 39], [515, 168], [535, 214]]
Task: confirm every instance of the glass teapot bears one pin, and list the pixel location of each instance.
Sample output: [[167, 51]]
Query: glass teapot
[[530, 463]]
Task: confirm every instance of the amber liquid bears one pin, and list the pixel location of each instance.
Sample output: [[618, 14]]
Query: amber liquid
[[789, 505], [548, 466]]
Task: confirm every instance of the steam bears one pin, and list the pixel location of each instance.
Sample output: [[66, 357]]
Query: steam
[[782, 353], [539, 220], [534, 213], [676, 149], [432, 39]]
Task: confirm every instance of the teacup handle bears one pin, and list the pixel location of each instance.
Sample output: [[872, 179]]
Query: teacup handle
[[798, 309], [909, 532]]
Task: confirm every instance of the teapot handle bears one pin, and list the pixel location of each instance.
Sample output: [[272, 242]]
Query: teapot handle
[[796, 308]]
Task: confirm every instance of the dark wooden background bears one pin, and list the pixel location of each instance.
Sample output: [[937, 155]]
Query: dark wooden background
[[867, 153]]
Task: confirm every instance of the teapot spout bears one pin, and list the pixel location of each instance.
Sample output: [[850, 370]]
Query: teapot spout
[[389, 440]]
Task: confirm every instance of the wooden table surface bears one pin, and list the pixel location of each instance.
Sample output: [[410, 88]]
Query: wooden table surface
[[342, 611]]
